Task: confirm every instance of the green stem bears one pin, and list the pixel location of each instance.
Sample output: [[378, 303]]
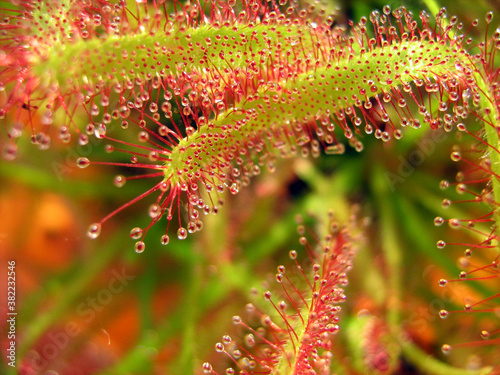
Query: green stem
[[390, 246], [192, 313], [431, 366]]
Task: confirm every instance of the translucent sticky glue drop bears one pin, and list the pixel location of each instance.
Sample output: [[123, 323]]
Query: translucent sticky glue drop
[[249, 340], [82, 162], [485, 335], [139, 247], [10, 152], [443, 314], [165, 239], [438, 221], [446, 349], [335, 149], [100, 131], [446, 203], [455, 156], [83, 139], [182, 233], [488, 17], [136, 233], [119, 180], [94, 230], [454, 223], [444, 184], [154, 211], [443, 282], [207, 368]]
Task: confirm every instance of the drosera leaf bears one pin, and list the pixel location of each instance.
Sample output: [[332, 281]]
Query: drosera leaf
[[357, 85], [83, 56], [299, 318]]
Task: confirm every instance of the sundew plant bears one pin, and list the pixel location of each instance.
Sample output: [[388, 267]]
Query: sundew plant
[[250, 187]]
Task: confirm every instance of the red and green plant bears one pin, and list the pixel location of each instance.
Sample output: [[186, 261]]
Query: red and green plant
[[192, 103]]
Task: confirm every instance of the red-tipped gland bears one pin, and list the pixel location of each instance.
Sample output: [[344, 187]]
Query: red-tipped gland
[[207, 368], [446, 349], [441, 244], [139, 247], [94, 230], [83, 162], [443, 314]]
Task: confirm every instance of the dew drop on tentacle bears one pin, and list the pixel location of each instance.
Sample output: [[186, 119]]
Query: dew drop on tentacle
[[100, 131], [136, 233], [94, 230], [446, 349], [10, 152], [249, 340], [454, 223], [485, 335], [83, 139], [191, 227], [64, 134], [82, 162], [443, 282], [489, 17], [207, 368], [119, 181], [441, 244], [182, 233], [438, 221], [335, 149], [462, 189], [165, 239], [446, 203], [154, 211], [455, 156], [443, 314], [139, 247]]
